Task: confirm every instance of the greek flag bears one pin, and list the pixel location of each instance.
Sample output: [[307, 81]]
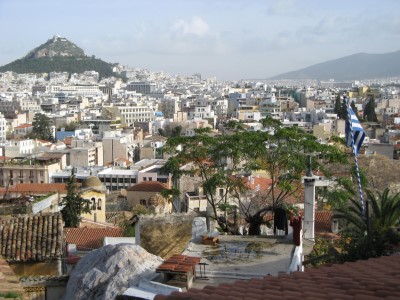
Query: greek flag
[[354, 132]]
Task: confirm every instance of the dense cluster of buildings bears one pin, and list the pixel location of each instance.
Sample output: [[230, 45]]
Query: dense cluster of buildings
[[112, 133], [121, 127]]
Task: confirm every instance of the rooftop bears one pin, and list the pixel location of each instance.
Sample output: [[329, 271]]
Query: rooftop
[[375, 278], [31, 238], [87, 239], [148, 186]]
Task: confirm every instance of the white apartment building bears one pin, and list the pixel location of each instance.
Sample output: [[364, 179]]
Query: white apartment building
[[116, 179], [3, 129], [22, 130], [79, 90], [202, 112], [132, 114], [118, 145], [248, 113], [19, 148], [30, 105], [86, 153]]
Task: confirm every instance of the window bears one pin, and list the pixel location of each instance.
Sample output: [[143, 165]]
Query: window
[[93, 204], [21, 173], [221, 192], [142, 202], [30, 174], [144, 178], [41, 173], [99, 204], [11, 174], [150, 179]]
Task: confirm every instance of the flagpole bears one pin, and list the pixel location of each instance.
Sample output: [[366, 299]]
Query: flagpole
[[354, 150]]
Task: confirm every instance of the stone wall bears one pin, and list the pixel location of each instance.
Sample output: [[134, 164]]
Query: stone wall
[[164, 235]]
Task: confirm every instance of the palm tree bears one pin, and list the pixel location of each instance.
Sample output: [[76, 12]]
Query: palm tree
[[386, 210], [372, 234]]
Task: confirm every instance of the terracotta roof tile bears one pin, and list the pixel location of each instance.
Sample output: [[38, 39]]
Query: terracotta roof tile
[[87, 239], [37, 188], [23, 126], [376, 278], [31, 238], [148, 186]]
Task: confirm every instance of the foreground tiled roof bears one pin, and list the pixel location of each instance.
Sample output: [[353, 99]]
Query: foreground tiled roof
[[148, 186], [8, 281], [87, 239], [376, 278], [31, 238]]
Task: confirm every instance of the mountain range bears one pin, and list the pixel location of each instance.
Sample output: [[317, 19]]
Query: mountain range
[[59, 55], [353, 67]]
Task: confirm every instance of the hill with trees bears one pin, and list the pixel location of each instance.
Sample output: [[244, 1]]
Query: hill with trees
[[59, 55]]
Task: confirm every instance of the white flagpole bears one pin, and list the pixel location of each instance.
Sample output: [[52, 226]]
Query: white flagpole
[[354, 150]]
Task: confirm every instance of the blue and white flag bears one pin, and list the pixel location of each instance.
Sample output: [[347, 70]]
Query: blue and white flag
[[354, 132]]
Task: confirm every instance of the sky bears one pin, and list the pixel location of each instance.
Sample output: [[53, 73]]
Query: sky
[[228, 39]]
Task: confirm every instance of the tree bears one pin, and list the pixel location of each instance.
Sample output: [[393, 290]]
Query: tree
[[353, 107], [223, 161], [369, 110], [70, 126], [340, 107], [370, 234], [42, 128], [283, 154], [208, 155], [73, 204], [176, 131]]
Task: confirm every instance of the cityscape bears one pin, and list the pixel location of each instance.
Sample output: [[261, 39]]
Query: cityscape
[[187, 156]]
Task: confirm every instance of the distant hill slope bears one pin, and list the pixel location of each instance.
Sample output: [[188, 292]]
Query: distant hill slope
[[58, 55], [352, 67]]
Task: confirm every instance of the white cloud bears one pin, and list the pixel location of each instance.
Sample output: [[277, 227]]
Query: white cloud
[[281, 7], [195, 27]]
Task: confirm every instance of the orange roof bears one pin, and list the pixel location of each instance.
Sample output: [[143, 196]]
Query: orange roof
[[87, 239], [3, 158], [37, 188], [68, 141], [375, 278], [263, 183], [44, 142], [148, 186], [23, 126]]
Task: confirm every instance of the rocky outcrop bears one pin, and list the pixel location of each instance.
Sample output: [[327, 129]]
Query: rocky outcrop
[[107, 272]]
